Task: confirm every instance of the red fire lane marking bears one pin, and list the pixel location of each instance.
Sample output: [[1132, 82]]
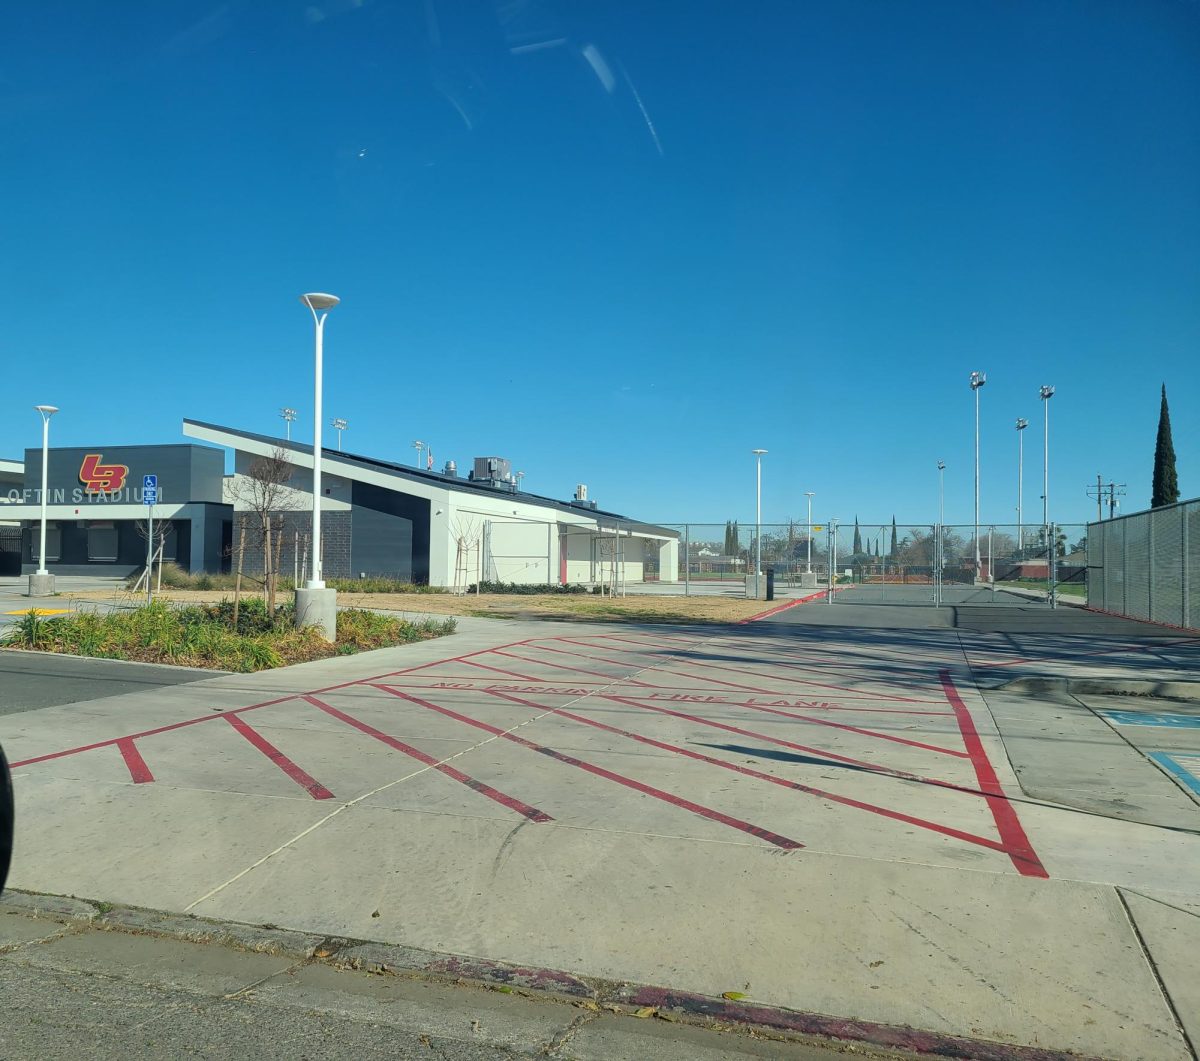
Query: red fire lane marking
[[138, 770], [310, 785], [850, 729], [1020, 850], [505, 800], [498, 670], [578, 670], [820, 752], [886, 812], [599, 771]]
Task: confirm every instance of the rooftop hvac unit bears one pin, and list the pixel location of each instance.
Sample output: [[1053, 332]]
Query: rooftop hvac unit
[[492, 469], [581, 492]]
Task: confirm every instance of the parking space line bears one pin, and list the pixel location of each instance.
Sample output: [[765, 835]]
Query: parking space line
[[1020, 850], [138, 770], [757, 831], [852, 729], [310, 785], [505, 800], [796, 786]]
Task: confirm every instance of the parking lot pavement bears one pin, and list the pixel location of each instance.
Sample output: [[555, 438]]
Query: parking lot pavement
[[30, 681], [817, 818]]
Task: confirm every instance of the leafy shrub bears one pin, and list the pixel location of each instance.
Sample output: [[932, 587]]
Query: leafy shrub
[[527, 589]]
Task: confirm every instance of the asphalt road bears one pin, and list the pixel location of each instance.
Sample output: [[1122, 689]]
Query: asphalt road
[[30, 681]]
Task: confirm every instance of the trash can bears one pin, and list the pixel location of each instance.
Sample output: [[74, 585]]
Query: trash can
[[770, 583]]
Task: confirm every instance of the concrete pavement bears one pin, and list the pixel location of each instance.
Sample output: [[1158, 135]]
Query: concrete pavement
[[815, 817]]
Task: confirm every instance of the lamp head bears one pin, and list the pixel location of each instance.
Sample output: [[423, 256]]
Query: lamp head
[[978, 379], [758, 452], [941, 466], [1022, 423], [46, 410], [316, 300], [1045, 393]]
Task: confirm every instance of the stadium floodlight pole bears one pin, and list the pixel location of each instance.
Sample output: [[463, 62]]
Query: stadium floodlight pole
[[941, 492], [316, 302], [339, 425], [1046, 393], [808, 562], [1022, 423], [758, 456], [418, 446], [288, 416], [46, 411], [978, 379]]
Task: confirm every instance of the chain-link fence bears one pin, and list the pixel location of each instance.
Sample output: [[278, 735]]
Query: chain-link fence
[[1144, 565]]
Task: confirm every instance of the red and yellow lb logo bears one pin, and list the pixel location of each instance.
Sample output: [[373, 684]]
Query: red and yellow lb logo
[[100, 478]]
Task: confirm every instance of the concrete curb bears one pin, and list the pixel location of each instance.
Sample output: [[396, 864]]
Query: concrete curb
[[1168, 690], [641, 999]]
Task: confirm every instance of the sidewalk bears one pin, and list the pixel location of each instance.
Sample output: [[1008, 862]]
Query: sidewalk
[[821, 822]]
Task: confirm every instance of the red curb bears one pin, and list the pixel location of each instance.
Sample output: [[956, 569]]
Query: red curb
[[786, 605]]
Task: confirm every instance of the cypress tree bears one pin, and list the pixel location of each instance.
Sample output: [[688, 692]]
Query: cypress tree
[[893, 552], [857, 538], [1165, 489]]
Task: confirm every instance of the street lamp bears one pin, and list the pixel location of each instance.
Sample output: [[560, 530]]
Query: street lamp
[[758, 456], [418, 446], [808, 563], [520, 476], [1046, 393], [288, 416], [1022, 423], [316, 605], [978, 379], [941, 492], [339, 425], [41, 584]]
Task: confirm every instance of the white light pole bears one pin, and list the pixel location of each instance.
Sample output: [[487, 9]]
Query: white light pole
[[1046, 393], [941, 492], [418, 446], [1022, 423], [808, 563], [758, 456], [978, 379], [315, 605], [339, 425], [41, 584], [288, 416]]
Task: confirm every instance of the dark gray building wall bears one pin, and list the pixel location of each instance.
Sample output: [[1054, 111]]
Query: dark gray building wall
[[294, 530], [380, 546], [185, 473]]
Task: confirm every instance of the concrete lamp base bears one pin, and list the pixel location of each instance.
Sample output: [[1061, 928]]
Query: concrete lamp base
[[41, 586], [808, 580], [318, 607]]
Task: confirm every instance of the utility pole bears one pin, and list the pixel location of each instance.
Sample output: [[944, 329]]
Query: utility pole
[[1109, 490]]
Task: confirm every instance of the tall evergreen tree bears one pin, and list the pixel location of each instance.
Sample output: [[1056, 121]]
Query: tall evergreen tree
[[857, 538], [893, 552], [1165, 490], [727, 548]]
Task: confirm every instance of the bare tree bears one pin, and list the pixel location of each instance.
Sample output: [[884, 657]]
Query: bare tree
[[264, 493]]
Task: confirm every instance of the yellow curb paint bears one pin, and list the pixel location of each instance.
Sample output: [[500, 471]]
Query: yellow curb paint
[[40, 611]]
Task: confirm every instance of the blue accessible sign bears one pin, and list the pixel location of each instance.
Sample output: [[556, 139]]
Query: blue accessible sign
[[149, 489]]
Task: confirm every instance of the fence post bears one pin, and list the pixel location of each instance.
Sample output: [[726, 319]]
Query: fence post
[[1150, 566], [1187, 597], [687, 560], [1052, 564]]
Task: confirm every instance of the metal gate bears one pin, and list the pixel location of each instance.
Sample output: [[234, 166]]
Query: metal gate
[[10, 551]]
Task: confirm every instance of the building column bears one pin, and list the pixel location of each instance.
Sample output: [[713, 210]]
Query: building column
[[195, 516], [668, 561]]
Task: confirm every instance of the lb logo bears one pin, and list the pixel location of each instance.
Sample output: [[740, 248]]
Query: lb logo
[[100, 478]]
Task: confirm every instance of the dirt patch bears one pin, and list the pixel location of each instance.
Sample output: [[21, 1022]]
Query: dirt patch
[[641, 609]]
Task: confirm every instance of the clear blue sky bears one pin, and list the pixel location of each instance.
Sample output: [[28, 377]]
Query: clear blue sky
[[622, 244]]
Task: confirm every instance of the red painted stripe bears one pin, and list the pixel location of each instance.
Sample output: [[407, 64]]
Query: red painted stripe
[[498, 670], [1020, 850], [599, 771], [782, 607], [144, 733], [505, 800], [688, 661], [820, 752], [885, 812], [138, 770], [310, 785], [579, 670]]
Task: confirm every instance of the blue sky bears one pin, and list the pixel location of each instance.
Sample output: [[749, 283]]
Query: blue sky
[[621, 244]]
